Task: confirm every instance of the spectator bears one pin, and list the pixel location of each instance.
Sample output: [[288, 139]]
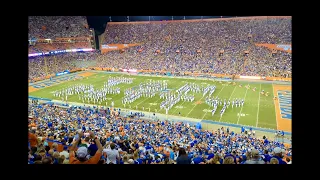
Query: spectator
[[255, 158], [274, 161], [278, 155], [153, 150], [47, 160], [228, 160], [112, 154], [65, 152], [55, 147], [183, 157], [288, 160], [61, 159], [33, 139], [82, 152]]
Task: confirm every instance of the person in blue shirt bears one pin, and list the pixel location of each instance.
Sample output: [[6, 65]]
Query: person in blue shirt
[[198, 159], [242, 129], [278, 155], [210, 155]]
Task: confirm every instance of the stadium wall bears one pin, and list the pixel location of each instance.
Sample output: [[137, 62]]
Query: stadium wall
[[193, 74]]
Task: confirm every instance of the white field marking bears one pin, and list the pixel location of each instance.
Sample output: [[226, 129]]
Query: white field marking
[[217, 96], [206, 110], [142, 101], [179, 107], [242, 106], [275, 110], [229, 99], [258, 107]]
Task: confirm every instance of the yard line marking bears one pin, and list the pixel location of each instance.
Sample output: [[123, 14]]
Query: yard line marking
[[242, 106], [217, 96], [258, 106], [229, 99]]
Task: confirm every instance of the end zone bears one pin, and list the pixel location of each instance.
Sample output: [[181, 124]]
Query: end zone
[[32, 89], [283, 104], [86, 74]]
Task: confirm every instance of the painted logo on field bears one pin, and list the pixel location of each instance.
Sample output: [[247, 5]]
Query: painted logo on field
[[285, 104], [179, 107], [198, 102]]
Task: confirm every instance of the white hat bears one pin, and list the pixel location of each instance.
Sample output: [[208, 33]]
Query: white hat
[[277, 150], [82, 152]]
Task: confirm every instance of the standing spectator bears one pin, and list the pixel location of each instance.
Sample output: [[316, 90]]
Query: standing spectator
[[82, 152], [112, 154], [183, 157], [33, 140]]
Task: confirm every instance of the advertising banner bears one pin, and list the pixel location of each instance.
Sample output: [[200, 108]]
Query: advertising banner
[[62, 73]]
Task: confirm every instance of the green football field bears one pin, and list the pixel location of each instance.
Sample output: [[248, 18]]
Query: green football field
[[258, 109]]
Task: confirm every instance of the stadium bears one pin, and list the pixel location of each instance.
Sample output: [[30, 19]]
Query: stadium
[[159, 90]]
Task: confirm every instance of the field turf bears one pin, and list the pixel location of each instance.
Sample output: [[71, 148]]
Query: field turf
[[258, 109]]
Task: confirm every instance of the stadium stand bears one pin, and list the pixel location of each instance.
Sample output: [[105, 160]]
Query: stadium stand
[[52, 33], [202, 46], [122, 140]]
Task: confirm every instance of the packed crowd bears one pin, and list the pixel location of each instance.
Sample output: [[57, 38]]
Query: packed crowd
[[41, 66], [199, 45], [209, 38], [51, 27], [104, 136]]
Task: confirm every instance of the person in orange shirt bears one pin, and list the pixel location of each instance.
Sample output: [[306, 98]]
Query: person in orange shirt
[[82, 152], [33, 139]]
